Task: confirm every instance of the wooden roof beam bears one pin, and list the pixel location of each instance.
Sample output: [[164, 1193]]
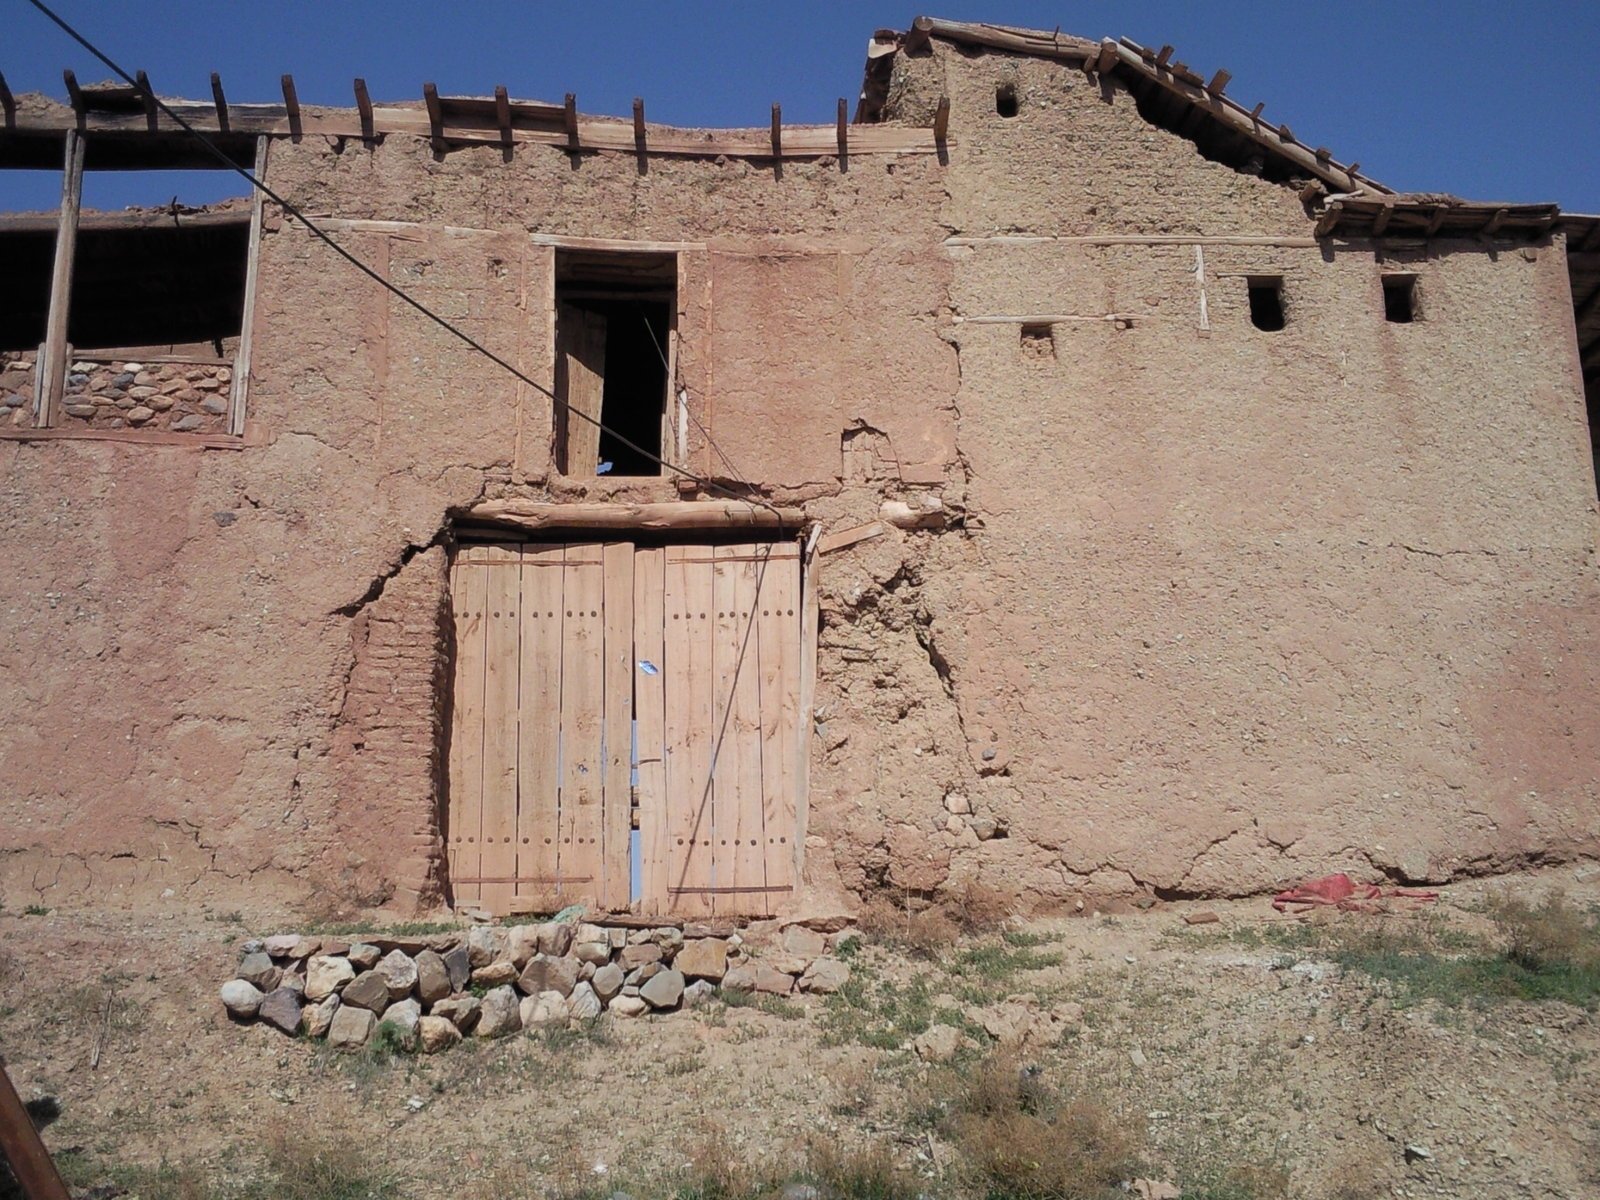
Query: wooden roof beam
[[147, 97], [639, 141], [1492, 225], [291, 106], [569, 110], [941, 120], [777, 131], [74, 92], [1219, 83], [430, 100], [1381, 221]]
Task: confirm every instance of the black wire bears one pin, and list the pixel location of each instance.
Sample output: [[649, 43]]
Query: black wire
[[294, 212]]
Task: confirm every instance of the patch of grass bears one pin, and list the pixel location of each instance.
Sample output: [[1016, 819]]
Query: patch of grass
[[391, 1039], [877, 1012], [994, 961], [559, 1039], [36, 910], [1240, 1183], [359, 929], [865, 1173], [1549, 936], [774, 1006], [910, 926]]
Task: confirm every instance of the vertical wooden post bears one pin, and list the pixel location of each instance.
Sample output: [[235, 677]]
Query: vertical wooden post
[[777, 132], [53, 367], [809, 613], [23, 1149], [241, 361]]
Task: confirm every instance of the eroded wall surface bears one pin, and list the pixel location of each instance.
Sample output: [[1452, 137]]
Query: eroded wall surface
[[1215, 608]]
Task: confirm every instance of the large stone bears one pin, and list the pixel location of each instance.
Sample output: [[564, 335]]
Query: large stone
[[257, 968], [502, 971], [938, 1043], [669, 938], [403, 1017], [544, 974], [825, 975], [436, 1033], [583, 1004], [368, 990], [399, 972], [280, 1008], [592, 952], [461, 1011], [664, 991], [485, 943], [789, 964], [433, 977], [638, 956], [607, 981], [315, 1018], [522, 943], [459, 963], [544, 1010], [555, 938], [241, 998], [703, 958], [741, 977], [326, 975], [499, 1014], [351, 1027], [364, 956], [139, 414], [803, 943], [1014, 1024], [629, 1006], [698, 993], [771, 980]]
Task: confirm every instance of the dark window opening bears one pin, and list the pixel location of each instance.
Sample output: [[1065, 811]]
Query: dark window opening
[[1005, 100], [1400, 299], [1266, 303], [614, 329]]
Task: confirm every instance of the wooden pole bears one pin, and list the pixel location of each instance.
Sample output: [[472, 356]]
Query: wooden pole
[[364, 107], [843, 135], [24, 1149], [569, 115], [777, 131], [238, 396], [220, 100], [291, 105], [638, 126], [147, 95], [941, 119], [74, 93], [53, 376], [502, 112], [430, 98]]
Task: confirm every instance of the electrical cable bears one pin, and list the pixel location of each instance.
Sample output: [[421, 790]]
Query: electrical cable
[[392, 288]]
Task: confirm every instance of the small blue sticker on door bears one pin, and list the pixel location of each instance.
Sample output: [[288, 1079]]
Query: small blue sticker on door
[[648, 667]]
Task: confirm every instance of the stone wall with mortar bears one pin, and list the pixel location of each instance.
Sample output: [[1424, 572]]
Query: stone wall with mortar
[[188, 396], [16, 388], [1211, 608]]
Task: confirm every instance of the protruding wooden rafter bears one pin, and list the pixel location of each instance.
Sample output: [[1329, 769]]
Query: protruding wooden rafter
[[219, 99], [777, 131], [147, 97], [74, 93], [502, 112], [569, 119], [430, 101], [841, 129], [291, 107], [941, 120], [638, 126]]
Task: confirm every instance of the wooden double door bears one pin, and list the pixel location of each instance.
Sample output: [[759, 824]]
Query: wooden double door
[[626, 727]]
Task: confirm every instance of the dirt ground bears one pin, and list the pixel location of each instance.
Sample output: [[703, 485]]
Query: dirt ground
[[1255, 1056]]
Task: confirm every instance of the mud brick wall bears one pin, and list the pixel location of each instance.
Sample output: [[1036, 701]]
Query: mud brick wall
[[181, 397]]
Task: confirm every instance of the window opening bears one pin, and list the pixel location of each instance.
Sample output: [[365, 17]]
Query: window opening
[[1266, 302], [615, 317], [1005, 100], [1038, 341], [1400, 299]]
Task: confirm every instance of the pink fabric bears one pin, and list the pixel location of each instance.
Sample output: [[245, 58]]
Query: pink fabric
[[1342, 892]]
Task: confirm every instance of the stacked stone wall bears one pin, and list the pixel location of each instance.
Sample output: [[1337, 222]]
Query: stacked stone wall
[[16, 388], [117, 393]]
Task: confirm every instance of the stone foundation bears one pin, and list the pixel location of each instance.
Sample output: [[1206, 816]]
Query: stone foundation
[[16, 388], [177, 396], [492, 981]]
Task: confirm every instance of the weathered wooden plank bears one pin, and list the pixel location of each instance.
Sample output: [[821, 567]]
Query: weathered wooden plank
[[689, 707], [539, 720], [617, 820], [30, 1162], [502, 652], [582, 721], [753, 570], [736, 735], [580, 385], [780, 628], [649, 646], [465, 815], [839, 539], [807, 686], [663, 515]]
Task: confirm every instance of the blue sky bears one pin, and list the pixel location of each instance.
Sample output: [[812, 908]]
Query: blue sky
[[1488, 101]]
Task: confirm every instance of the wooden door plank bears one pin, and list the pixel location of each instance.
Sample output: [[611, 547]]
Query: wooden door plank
[[688, 671], [617, 816], [539, 716], [805, 724], [502, 652], [649, 646], [582, 709], [740, 864], [780, 713], [581, 360], [470, 582]]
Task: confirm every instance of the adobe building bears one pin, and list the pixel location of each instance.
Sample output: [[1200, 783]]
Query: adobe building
[[1058, 478]]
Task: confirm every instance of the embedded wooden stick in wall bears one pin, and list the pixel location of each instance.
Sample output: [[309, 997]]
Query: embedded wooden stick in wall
[[74, 92], [844, 137], [570, 119], [430, 98], [638, 124], [777, 132], [502, 112], [665, 515], [220, 100], [147, 97], [941, 119], [1219, 83]]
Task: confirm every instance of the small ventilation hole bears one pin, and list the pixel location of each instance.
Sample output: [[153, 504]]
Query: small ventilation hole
[[1005, 100], [1266, 302]]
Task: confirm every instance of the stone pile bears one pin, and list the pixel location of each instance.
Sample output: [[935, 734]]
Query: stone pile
[[181, 397], [490, 981]]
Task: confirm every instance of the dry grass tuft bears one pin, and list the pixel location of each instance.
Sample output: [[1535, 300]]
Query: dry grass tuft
[[908, 924], [864, 1173], [1551, 935], [1020, 1141]]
